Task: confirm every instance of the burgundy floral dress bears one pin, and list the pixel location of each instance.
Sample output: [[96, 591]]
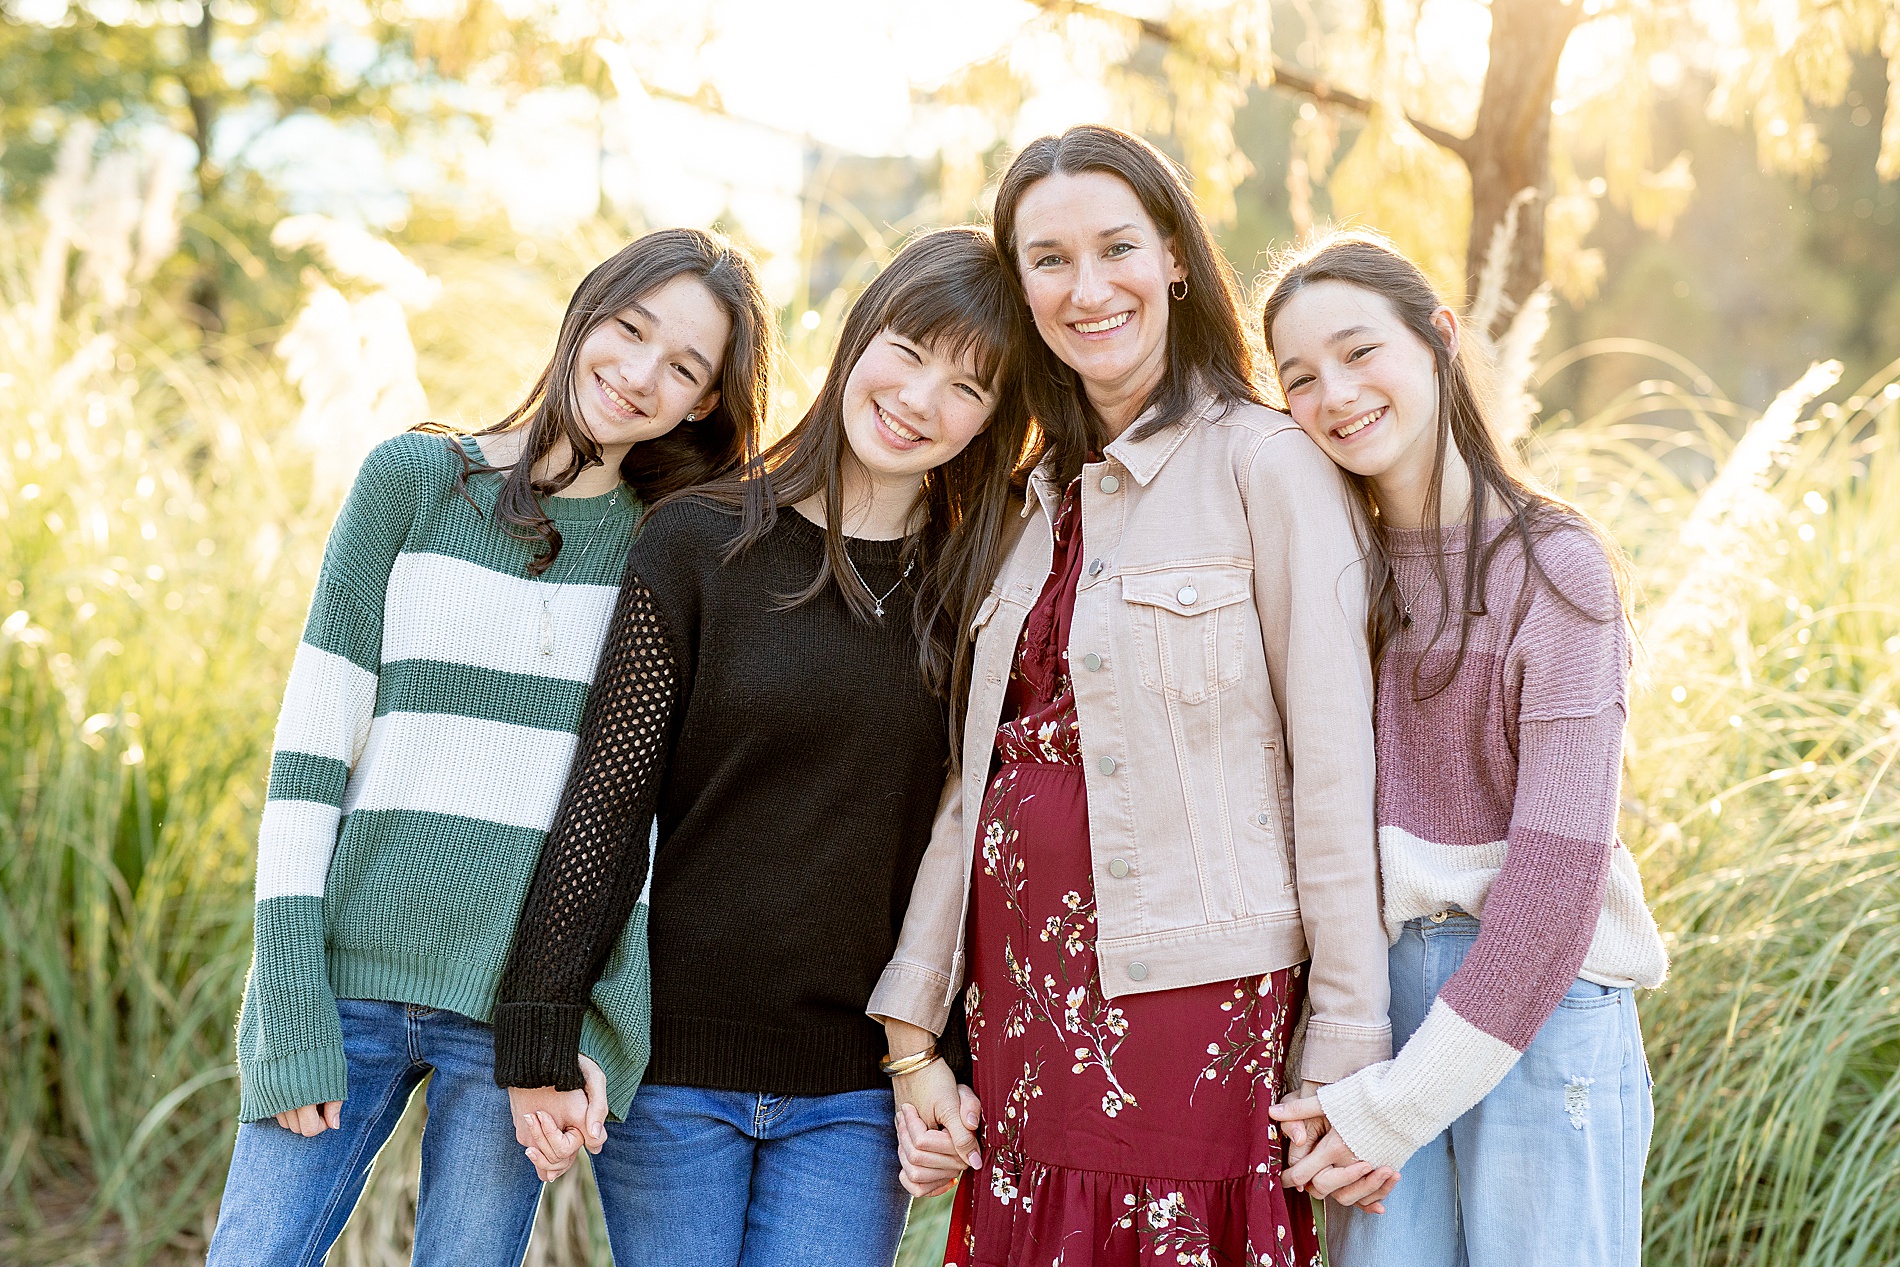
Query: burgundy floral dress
[[1115, 1132]]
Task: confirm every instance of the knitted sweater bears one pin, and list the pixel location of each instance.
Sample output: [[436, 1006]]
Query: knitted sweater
[[424, 739], [794, 758], [1498, 795]]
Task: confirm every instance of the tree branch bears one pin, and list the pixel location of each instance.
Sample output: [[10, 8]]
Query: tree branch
[[1284, 76]]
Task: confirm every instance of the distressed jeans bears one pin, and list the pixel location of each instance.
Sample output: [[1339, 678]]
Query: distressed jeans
[[736, 1179], [1547, 1168], [288, 1197]]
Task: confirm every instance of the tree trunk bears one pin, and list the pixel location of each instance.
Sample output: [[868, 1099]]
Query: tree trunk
[[1509, 149], [205, 295]]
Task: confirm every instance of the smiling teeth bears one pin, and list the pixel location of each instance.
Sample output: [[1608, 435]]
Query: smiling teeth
[[1362, 424], [616, 397], [1106, 323], [898, 429]]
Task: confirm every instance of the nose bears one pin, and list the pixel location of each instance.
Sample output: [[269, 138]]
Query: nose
[[1091, 289], [918, 394], [1337, 393], [640, 369]]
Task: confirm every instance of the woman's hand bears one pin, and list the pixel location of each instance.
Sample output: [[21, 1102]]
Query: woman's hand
[[1303, 1128], [930, 1159], [313, 1120], [1325, 1166], [553, 1126]]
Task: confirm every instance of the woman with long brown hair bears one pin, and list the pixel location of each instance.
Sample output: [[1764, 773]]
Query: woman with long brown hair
[[774, 693], [1517, 1112], [1160, 844], [426, 728]]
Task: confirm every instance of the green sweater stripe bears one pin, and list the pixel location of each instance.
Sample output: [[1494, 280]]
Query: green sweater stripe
[[430, 686], [415, 906]]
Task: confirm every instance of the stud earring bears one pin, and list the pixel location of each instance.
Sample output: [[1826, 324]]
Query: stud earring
[[690, 417], [1182, 283]]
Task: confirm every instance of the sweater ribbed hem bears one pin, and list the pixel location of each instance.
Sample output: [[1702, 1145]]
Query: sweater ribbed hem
[[722, 1055], [538, 1045], [316, 1075], [397, 974]]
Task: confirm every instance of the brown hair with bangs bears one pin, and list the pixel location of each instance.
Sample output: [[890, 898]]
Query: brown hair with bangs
[[947, 290], [1207, 351], [727, 437], [1500, 486]]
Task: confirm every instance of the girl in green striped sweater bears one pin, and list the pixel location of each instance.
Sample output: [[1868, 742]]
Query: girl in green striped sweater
[[426, 731]]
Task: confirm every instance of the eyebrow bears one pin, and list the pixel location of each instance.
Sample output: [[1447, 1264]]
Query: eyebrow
[[691, 351], [1039, 243], [1337, 337]]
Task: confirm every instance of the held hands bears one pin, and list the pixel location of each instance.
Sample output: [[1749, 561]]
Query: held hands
[[936, 1129], [1319, 1163], [313, 1120], [553, 1126]]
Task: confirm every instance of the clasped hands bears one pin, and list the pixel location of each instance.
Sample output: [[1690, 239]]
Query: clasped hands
[[1319, 1163], [553, 1126]]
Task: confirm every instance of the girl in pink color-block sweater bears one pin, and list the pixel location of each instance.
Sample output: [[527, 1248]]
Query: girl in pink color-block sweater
[[1512, 1125]]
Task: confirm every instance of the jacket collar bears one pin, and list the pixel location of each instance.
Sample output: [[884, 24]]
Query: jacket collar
[[1143, 458]]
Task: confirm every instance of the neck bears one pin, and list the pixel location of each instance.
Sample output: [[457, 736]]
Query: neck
[[595, 481], [875, 509], [1120, 403], [1404, 492]]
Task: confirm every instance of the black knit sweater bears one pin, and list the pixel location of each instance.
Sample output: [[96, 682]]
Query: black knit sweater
[[795, 758]]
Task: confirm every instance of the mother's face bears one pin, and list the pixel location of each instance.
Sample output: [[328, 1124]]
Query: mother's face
[[1096, 271]]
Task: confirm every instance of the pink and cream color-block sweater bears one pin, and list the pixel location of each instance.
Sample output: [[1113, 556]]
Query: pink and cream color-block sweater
[[1497, 796]]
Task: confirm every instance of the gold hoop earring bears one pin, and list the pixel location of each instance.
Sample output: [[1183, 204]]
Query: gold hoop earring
[[1182, 283]]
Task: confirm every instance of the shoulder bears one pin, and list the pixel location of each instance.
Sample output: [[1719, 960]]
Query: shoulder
[[686, 532], [417, 459], [1268, 451], [1573, 570]]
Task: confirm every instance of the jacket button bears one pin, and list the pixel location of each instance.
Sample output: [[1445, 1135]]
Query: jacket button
[[1262, 818], [1092, 662], [1095, 567], [1107, 765], [1110, 483], [1118, 867], [1137, 972], [1187, 595]]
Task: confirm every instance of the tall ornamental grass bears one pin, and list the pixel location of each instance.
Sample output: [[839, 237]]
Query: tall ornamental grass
[[160, 527]]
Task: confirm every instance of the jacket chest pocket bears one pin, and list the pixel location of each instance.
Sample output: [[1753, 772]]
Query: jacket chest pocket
[[1189, 627]]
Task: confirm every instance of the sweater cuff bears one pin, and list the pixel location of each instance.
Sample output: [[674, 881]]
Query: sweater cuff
[[1389, 1111], [912, 994], [538, 1045], [315, 1075], [621, 1062], [1333, 1052]]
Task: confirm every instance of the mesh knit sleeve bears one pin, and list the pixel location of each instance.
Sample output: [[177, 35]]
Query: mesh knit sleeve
[[594, 863]]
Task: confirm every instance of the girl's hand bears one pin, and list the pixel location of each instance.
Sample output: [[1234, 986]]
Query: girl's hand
[[553, 1126], [1328, 1168], [928, 1160], [313, 1120], [1302, 1120]]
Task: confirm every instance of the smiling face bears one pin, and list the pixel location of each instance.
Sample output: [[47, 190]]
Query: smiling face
[[1096, 271], [909, 407], [1359, 381], [641, 371]]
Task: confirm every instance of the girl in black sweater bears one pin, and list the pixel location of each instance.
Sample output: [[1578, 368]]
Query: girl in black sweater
[[776, 691]]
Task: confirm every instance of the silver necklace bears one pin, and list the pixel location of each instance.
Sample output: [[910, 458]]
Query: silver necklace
[[877, 600], [1405, 604], [547, 609]]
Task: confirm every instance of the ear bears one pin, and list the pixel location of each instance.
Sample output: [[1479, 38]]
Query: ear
[[1445, 321], [1177, 271], [706, 404]]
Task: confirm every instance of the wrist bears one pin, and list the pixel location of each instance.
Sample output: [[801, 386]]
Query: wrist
[[898, 1066]]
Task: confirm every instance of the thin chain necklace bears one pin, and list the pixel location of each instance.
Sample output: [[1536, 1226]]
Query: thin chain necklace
[[877, 600], [547, 608], [1405, 604]]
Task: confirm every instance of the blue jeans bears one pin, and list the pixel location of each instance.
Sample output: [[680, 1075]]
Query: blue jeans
[[733, 1179], [1547, 1169], [287, 1197]]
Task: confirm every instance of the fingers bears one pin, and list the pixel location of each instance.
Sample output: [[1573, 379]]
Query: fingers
[[562, 1144], [594, 1125], [962, 1138], [1361, 1191], [1298, 1110], [333, 1114], [308, 1121], [1330, 1153], [1336, 1178], [972, 1107]]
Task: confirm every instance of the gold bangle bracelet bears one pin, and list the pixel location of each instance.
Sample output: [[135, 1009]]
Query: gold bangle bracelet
[[901, 1065]]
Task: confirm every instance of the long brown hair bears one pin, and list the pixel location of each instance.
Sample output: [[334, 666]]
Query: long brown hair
[[946, 289], [691, 453], [1500, 486], [1207, 350]]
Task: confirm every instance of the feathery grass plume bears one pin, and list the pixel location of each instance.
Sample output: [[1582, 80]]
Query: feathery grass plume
[[1717, 535], [60, 198], [1489, 303], [1513, 409], [111, 216]]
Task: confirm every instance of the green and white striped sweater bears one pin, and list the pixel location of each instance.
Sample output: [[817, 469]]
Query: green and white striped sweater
[[423, 745]]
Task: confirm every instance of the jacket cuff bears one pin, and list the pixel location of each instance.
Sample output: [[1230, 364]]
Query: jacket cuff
[[315, 1075], [1335, 1052], [913, 994], [538, 1045]]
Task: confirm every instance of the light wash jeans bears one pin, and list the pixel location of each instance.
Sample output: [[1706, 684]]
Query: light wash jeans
[[1547, 1169], [287, 1197], [734, 1179]]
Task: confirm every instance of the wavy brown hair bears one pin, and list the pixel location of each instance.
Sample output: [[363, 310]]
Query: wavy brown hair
[[1500, 486], [691, 453], [947, 290], [1207, 350]]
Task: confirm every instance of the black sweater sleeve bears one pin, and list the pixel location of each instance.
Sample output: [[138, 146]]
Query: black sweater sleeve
[[594, 863]]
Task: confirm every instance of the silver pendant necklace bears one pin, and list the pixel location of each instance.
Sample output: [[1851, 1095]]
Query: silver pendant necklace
[[547, 608], [877, 600]]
